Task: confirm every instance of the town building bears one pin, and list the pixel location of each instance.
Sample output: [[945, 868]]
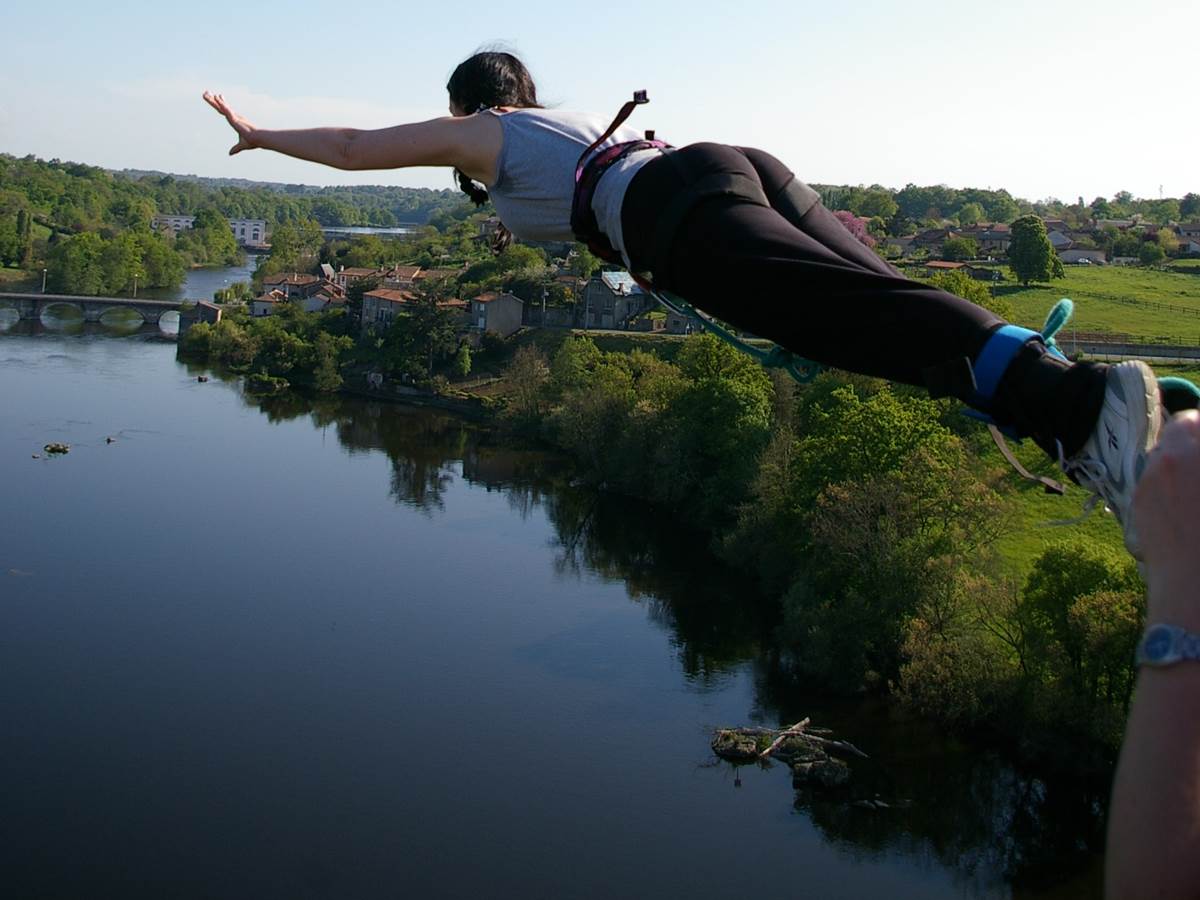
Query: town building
[[381, 306], [248, 232], [294, 285], [611, 299], [496, 313], [346, 277]]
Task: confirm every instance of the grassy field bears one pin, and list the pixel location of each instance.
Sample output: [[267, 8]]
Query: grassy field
[[1145, 303], [1035, 509]]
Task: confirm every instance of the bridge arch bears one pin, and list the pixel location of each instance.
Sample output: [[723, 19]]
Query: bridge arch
[[59, 315], [122, 318]]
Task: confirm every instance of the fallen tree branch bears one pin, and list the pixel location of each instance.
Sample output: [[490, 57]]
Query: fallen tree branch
[[784, 735], [837, 745]]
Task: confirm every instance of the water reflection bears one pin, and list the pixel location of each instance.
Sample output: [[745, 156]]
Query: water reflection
[[951, 804], [76, 326]]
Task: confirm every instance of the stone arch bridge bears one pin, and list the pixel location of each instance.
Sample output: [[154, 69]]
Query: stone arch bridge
[[31, 306]]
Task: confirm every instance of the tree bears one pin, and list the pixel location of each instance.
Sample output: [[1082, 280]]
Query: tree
[[1001, 207], [24, 239], [968, 288], [1062, 575], [1150, 253], [856, 226], [1189, 206], [970, 214], [462, 361], [876, 202], [1030, 255], [960, 248], [582, 262], [526, 375]]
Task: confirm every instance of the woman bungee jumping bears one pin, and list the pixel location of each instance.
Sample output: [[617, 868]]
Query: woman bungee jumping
[[673, 216]]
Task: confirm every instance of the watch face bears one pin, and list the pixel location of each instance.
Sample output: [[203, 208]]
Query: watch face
[[1157, 643]]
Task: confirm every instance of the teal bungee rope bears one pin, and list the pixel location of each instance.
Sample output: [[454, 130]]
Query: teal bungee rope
[[801, 369], [1178, 392]]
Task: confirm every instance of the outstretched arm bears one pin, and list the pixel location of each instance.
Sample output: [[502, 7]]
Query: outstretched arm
[[469, 143], [1154, 819]]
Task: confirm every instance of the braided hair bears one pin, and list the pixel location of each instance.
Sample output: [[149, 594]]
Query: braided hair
[[485, 80]]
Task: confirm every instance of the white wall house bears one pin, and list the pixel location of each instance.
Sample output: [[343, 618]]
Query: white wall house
[[175, 223], [249, 231], [246, 231]]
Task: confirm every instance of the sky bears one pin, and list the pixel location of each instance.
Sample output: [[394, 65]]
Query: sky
[[1042, 97]]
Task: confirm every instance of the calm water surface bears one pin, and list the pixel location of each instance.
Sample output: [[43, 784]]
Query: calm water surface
[[337, 649]]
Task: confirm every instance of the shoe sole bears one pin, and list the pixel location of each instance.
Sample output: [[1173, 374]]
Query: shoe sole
[[1138, 385]]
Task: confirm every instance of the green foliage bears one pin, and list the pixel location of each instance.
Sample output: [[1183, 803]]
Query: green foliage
[[1062, 575], [975, 291], [90, 264], [462, 361], [299, 347], [1030, 255], [583, 263], [970, 214], [890, 530], [684, 434], [1151, 253], [209, 241], [960, 248], [954, 668]]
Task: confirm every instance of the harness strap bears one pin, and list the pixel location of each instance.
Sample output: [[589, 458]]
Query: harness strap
[[639, 97]]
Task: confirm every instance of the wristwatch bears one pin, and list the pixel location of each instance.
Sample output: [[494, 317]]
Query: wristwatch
[[1163, 645]]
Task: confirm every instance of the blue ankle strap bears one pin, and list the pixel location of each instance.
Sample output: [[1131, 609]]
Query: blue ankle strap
[[993, 361]]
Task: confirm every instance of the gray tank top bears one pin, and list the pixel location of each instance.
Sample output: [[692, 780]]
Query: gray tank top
[[535, 175]]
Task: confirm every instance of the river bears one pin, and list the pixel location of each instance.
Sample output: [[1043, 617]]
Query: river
[[332, 648]]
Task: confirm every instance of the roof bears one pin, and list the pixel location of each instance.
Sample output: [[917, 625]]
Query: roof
[[939, 264], [426, 274], [399, 272], [358, 272], [620, 282], [492, 296], [291, 278], [392, 296]]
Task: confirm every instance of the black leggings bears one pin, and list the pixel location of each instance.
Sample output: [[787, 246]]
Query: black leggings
[[811, 287]]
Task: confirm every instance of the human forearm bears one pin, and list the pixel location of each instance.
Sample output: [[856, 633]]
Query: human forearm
[[1154, 818], [327, 146]]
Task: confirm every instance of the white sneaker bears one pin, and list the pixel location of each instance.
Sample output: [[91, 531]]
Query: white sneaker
[[1112, 460]]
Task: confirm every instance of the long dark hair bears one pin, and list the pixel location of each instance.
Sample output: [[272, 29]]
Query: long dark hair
[[487, 79]]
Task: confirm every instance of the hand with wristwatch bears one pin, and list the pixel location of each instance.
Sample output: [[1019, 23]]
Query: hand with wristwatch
[[1168, 524], [1153, 846]]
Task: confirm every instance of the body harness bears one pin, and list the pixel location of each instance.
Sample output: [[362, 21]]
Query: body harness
[[975, 382]]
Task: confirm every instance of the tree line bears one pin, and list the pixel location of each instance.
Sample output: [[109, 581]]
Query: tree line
[[870, 514], [900, 212]]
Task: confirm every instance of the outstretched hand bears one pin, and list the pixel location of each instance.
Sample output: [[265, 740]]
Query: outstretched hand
[[1166, 507], [245, 131]]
